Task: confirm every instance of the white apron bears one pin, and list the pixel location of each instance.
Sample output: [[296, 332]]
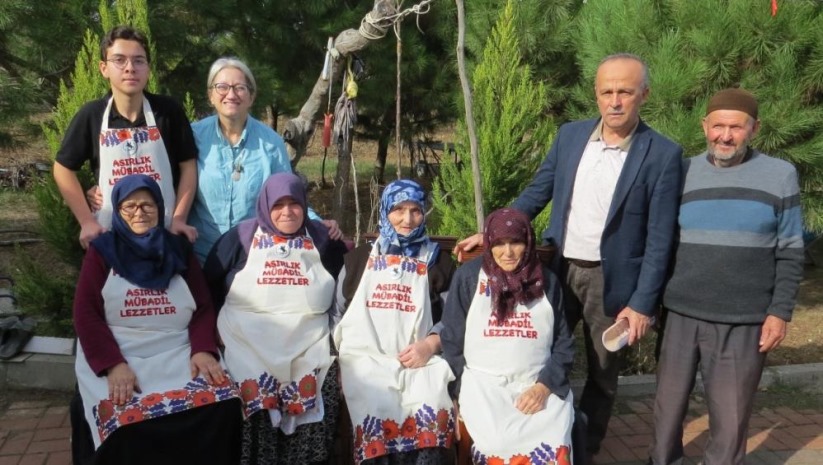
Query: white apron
[[151, 329], [133, 151], [275, 328], [393, 409], [503, 361]]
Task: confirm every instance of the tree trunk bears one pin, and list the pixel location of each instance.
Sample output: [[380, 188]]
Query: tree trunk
[[379, 172], [341, 184], [298, 130], [467, 100], [273, 113]]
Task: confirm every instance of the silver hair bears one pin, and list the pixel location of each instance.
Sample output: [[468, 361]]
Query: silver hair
[[231, 62], [629, 56]]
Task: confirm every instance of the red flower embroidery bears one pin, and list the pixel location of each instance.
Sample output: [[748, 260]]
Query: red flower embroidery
[[270, 402], [249, 390], [421, 268], [519, 460], [151, 400], [374, 449], [105, 410], [426, 439], [203, 398], [308, 245], [443, 420], [409, 428], [495, 461], [123, 135], [358, 436], [176, 394], [129, 416], [280, 240], [563, 455], [390, 429], [307, 386], [154, 134], [392, 260], [295, 409]]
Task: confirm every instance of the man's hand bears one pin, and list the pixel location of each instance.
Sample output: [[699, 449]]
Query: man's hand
[[179, 226], [772, 333], [89, 231], [467, 244], [417, 354], [122, 383], [334, 229], [533, 399], [638, 323], [94, 196], [204, 364]]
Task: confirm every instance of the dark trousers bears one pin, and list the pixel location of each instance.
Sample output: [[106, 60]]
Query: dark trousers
[[82, 444], [730, 365], [584, 301]]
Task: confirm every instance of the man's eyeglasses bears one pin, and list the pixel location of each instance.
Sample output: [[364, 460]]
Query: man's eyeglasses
[[130, 208], [223, 89], [120, 62]]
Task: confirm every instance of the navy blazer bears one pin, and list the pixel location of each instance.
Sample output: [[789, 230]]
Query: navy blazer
[[640, 228]]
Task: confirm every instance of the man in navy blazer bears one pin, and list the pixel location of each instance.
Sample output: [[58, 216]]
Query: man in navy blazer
[[614, 184]]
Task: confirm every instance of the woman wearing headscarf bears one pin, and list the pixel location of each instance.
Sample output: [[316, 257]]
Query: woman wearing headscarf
[[269, 277], [147, 364], [392, 294], [237, 153], [506, 339]]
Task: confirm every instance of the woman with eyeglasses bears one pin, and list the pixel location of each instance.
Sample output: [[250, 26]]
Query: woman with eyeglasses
[[147, 363], [237, 153]]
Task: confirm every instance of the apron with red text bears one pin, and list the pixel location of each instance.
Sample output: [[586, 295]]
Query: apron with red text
[[502, 361], [275, 328], [133, 151], [151, 328], [393, 409]]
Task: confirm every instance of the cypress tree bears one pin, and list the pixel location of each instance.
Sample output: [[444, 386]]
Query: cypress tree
[[513, 134]]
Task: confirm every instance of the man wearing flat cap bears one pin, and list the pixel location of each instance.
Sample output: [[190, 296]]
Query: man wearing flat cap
[[735, 278]]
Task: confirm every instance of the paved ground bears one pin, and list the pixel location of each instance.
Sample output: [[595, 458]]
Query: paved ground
[[777, 434], [36, 432]]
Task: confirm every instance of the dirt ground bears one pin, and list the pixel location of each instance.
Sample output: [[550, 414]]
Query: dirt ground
[[804, 343]]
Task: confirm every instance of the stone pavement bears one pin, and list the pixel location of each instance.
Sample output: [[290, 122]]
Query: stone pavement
[[36, 432], [778, 435]]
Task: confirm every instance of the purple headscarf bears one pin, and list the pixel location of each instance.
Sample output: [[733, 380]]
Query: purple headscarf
[[148, 260], [276, 187], [525, 282]]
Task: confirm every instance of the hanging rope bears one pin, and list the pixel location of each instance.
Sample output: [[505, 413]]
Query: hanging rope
[[384, 23]]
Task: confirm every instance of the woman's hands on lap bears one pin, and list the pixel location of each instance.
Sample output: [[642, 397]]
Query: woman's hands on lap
[[204, 364], [122, 383], [533, 399], [417, 354]]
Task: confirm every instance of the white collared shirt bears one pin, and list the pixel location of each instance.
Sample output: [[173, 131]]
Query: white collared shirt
[[594, 185]]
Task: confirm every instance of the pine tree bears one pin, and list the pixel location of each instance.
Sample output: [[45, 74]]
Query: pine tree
[[513, 134], [696, 47]]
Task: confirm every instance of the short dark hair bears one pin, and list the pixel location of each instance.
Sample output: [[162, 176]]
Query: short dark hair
[[123, 33]]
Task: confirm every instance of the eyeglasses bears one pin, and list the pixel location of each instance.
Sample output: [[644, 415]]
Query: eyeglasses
[[223, 89], [120, 61], [130, 208]]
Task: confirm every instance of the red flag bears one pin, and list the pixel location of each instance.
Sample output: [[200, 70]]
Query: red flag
[[774, 7]]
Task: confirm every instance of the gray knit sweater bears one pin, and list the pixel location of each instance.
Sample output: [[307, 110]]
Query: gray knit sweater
[[740, 255]]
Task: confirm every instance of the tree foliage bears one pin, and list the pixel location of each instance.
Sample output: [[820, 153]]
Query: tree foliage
[[512, 128], [696, 47]]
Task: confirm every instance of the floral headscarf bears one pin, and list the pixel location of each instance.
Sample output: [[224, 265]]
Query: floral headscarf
[[396, 192], [525, 282]]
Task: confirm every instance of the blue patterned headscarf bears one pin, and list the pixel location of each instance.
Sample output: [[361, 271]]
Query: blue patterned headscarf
[[148, 260], [396, 192]]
